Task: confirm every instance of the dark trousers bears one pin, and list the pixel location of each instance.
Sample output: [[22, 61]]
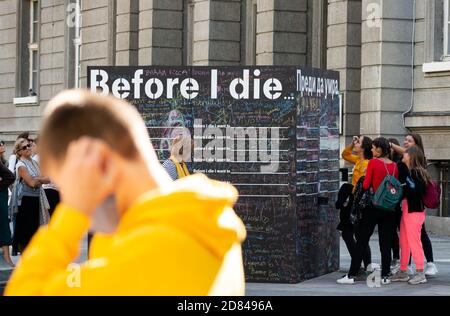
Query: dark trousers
[[53, 199], [426, 244], [349, 235], [385, 221], [395, 238], [27, 223]]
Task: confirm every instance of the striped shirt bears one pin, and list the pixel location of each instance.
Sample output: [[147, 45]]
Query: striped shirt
[[171, 169]]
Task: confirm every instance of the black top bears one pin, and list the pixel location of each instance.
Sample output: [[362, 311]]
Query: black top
[[403, 172], [414, 190], [7, 177]]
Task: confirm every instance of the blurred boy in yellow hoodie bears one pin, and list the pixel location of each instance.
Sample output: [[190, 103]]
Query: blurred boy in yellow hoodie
[[173, 238]]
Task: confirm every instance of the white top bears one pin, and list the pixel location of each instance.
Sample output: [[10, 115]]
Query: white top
[[12, 162], [51, 185]]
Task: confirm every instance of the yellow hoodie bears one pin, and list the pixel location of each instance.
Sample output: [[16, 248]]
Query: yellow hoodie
[[184, 241]]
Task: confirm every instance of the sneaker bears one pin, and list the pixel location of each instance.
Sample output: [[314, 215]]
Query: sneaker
[[372, 267], [411, 270], [346, 280], [419, 278], [400, 276], [395, 266], [385, 281], [431, 269]]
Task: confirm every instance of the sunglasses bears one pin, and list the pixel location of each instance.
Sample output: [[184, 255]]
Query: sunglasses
[[25, 147]]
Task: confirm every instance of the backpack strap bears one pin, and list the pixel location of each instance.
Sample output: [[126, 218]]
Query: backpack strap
[[387, 171]]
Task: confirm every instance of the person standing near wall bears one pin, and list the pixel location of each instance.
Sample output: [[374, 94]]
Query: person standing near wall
[[12, 161], [413, 216], [378, 168], [416, 140], [6, 179], [361, 146], [176, 166], [30, 199]]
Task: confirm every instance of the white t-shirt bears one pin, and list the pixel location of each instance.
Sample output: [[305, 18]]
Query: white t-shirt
[[12, 163], [51, 185]]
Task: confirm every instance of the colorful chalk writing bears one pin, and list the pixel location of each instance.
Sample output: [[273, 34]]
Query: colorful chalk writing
[[288, 212]]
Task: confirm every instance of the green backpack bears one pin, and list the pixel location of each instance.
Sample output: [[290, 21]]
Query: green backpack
[[389, 193]]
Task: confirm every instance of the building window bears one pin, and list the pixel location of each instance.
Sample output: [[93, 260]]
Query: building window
[[447, 29], [34, 46], [27, 51]]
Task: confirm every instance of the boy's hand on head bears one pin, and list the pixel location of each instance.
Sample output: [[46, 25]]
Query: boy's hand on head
[[85, 177]]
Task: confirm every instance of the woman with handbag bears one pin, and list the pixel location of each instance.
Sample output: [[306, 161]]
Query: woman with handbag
[[176, 166], [361, 147], [379, 168], [413, 216], [416, 140], [30, 200]]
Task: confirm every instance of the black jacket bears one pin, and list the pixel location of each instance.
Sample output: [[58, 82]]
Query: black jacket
[[414, 190], [7, 177], [344, 203], [403, 172]]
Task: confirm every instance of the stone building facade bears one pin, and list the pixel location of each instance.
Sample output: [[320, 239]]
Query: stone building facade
[[393, 55]]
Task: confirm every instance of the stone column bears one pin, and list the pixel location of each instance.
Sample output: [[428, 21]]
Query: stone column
[[97, 35], [127, 32], [281, 34], [344, 55], [9, 69], [386, 61], [217, 29], [160, 32]]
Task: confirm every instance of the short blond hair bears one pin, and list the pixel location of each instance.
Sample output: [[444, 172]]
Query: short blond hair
[[18, 146]]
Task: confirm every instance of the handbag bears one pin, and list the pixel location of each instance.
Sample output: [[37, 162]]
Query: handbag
[[432, 196], [16, 197], [366, 199], [362, 200]]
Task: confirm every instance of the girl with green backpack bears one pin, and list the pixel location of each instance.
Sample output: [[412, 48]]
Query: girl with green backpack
[[382, 179]]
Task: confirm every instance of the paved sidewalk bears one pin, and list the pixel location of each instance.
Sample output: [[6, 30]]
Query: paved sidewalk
[[326, 285]]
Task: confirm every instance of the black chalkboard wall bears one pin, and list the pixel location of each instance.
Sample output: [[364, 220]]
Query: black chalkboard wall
[[276, 138]]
